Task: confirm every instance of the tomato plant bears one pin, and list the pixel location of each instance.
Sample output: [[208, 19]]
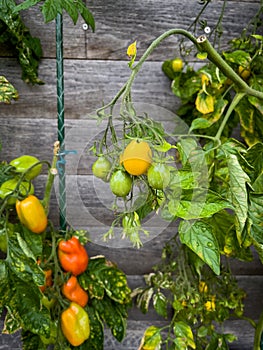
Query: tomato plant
[[212, 185], [51, 289]]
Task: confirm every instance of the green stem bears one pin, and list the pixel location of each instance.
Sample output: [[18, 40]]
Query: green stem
[[258, 333], [50, 179], [232, 106], [215, 58], [150, 49]]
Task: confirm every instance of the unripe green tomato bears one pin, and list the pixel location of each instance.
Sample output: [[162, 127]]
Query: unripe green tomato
[[177, 64], [158, 176], [25, 162], [8, 187], [120, 183], [101, 168]]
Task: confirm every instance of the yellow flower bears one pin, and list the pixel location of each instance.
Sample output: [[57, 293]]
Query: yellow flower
[[132, 50], [210, 305], [203, 287]]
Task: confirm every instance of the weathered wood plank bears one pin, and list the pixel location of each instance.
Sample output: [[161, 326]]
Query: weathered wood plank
[[118, 23], [88, 84]]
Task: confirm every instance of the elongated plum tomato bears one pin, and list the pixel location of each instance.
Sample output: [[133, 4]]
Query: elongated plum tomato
[[137, 157], [101, 168], [120, 183], [158, 176]]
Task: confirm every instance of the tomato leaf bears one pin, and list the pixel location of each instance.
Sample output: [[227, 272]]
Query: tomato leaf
[[20, 261], [239, 57], [184, 331], [28, 49], [204, 103], [112, 314], [254, 157], [106, 278], [160, 304], [7, 91], [238, 181], [144, 299], [196, 204], [30, 313], [151, 339], [96, 338], [200, 123], [199, 237]]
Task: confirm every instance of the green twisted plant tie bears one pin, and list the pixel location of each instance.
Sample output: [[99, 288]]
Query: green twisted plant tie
[[60, 118]]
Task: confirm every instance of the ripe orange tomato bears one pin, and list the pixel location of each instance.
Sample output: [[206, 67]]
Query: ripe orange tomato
[[136, 157]]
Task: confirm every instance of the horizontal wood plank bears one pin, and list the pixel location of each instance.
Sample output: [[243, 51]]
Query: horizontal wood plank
[[118, 23], [88, 84]]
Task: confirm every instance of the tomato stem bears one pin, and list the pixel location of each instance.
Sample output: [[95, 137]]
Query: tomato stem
[[51, 176], [258, 333]]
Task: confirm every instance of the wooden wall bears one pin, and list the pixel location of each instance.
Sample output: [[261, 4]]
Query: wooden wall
[[95, 67]]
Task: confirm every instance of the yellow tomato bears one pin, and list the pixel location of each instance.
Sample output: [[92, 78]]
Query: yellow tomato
[[137, 157]]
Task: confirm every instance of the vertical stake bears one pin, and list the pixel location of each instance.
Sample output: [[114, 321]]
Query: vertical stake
[[60, 119]]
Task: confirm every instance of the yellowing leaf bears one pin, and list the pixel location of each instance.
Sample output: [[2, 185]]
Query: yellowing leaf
[[151, 339], [204, 103]]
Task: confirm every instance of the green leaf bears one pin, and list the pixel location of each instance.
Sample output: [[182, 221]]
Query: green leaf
[[219, 108], [71, 9], [25, 5], [7, 91], [184, 331], [199, 237], [239, 57], [254, 157], [27, 48], [200, 123], [105, 276], [184, 179], [50, 9], [256, 215], [151, 339], [238, 181], [20, 261], [32, 315], [96, 338], [160, 304], [196, 204], [112, 314], [85, 13]]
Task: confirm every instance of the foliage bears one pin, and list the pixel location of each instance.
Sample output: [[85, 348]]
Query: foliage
[[28, 49], [26, 258], [213, 187], [7, 91], [197, 300]]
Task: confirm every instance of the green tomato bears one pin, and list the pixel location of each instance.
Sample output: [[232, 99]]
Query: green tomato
[[158, 176], [101, 168], [9, 186], [25, 162], [120, 183]]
